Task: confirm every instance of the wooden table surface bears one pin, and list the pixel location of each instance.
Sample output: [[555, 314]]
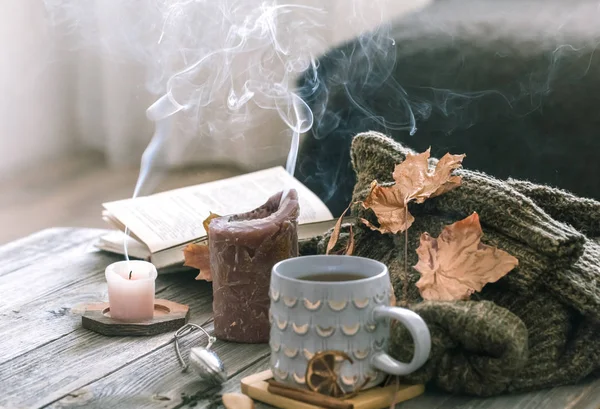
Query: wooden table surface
[[48, 360]]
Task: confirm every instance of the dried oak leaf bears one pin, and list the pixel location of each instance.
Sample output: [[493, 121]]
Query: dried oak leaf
[[414, 181], [456, 264], [197, 255]]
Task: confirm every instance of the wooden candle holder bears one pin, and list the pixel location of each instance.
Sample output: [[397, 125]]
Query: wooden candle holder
[[257, 387], [168, 316]]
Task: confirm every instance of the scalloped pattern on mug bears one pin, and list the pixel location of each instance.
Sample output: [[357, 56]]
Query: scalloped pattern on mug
[[349, 380], [337, 305], [290, 352], [281, 324], [299, 379], [275, 346], [361, 303], [381, 297], [370, 326], [312, 306], [361, 354], [379, 344], [280, 374], [290, 301], [350, 330], [274, 294], [308, 354], [300, 329], [324, 332]]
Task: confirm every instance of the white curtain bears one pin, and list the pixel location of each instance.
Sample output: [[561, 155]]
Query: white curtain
[[71, 82]]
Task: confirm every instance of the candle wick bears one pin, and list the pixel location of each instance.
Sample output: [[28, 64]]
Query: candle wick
[[131, 271]]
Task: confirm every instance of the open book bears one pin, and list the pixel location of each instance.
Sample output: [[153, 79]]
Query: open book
[[163, 224]]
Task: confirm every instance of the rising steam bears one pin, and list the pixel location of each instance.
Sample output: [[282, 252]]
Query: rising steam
[[241, 54], [198, 53]]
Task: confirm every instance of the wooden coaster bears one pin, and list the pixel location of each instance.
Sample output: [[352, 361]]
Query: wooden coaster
[[380, 397], [168, 316]]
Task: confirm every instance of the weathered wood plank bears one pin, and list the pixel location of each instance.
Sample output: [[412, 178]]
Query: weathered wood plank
[[156, 380], [572, 397], [58, 314], [213, 400], [55, 369], [589, 399], [43, 245], [583, 396], [50, 276]]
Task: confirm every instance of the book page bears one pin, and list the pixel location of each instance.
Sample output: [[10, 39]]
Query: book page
[[170, 218], [115, 241]]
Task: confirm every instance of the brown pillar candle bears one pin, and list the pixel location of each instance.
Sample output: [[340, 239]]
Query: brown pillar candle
[[243, 249]]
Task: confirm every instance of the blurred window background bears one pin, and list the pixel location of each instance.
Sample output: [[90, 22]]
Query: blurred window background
[[73, 102]]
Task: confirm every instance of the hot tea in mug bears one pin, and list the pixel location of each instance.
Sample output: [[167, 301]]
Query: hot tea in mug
[[326, 276]]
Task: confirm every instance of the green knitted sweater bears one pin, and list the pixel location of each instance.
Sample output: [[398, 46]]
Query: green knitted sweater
[[537, 327]]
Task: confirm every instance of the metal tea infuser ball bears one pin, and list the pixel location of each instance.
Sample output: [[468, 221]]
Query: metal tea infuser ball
[[203, 361]]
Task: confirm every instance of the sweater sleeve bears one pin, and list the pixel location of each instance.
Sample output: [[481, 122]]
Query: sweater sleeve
[[477, 347], [508, 211], [581, 213]]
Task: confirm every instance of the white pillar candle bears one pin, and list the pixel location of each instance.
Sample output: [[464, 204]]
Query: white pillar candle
[[131, 290]]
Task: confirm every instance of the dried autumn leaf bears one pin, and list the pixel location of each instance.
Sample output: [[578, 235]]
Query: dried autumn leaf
[[393, 300], [442, 176], [350, 247], [414, 181], [388, 204], [198, 256], [335, 235], [206, 221], [456, 264], [417, 182], [409, 175]]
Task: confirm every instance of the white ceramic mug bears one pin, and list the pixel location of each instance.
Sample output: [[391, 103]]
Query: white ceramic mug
[[309, 316]]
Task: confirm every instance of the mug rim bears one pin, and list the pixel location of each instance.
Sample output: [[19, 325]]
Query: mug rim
[[382, 273]]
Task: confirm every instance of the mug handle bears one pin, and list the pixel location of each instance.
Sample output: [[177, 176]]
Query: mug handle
[[420, 335]]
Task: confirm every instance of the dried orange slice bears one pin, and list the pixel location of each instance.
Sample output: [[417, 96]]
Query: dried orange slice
[[322, 373]]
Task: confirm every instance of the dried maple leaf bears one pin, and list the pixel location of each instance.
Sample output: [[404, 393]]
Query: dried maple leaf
[[198, 256], [389, 205], [414, 181], [418, 182], [456, 264]]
